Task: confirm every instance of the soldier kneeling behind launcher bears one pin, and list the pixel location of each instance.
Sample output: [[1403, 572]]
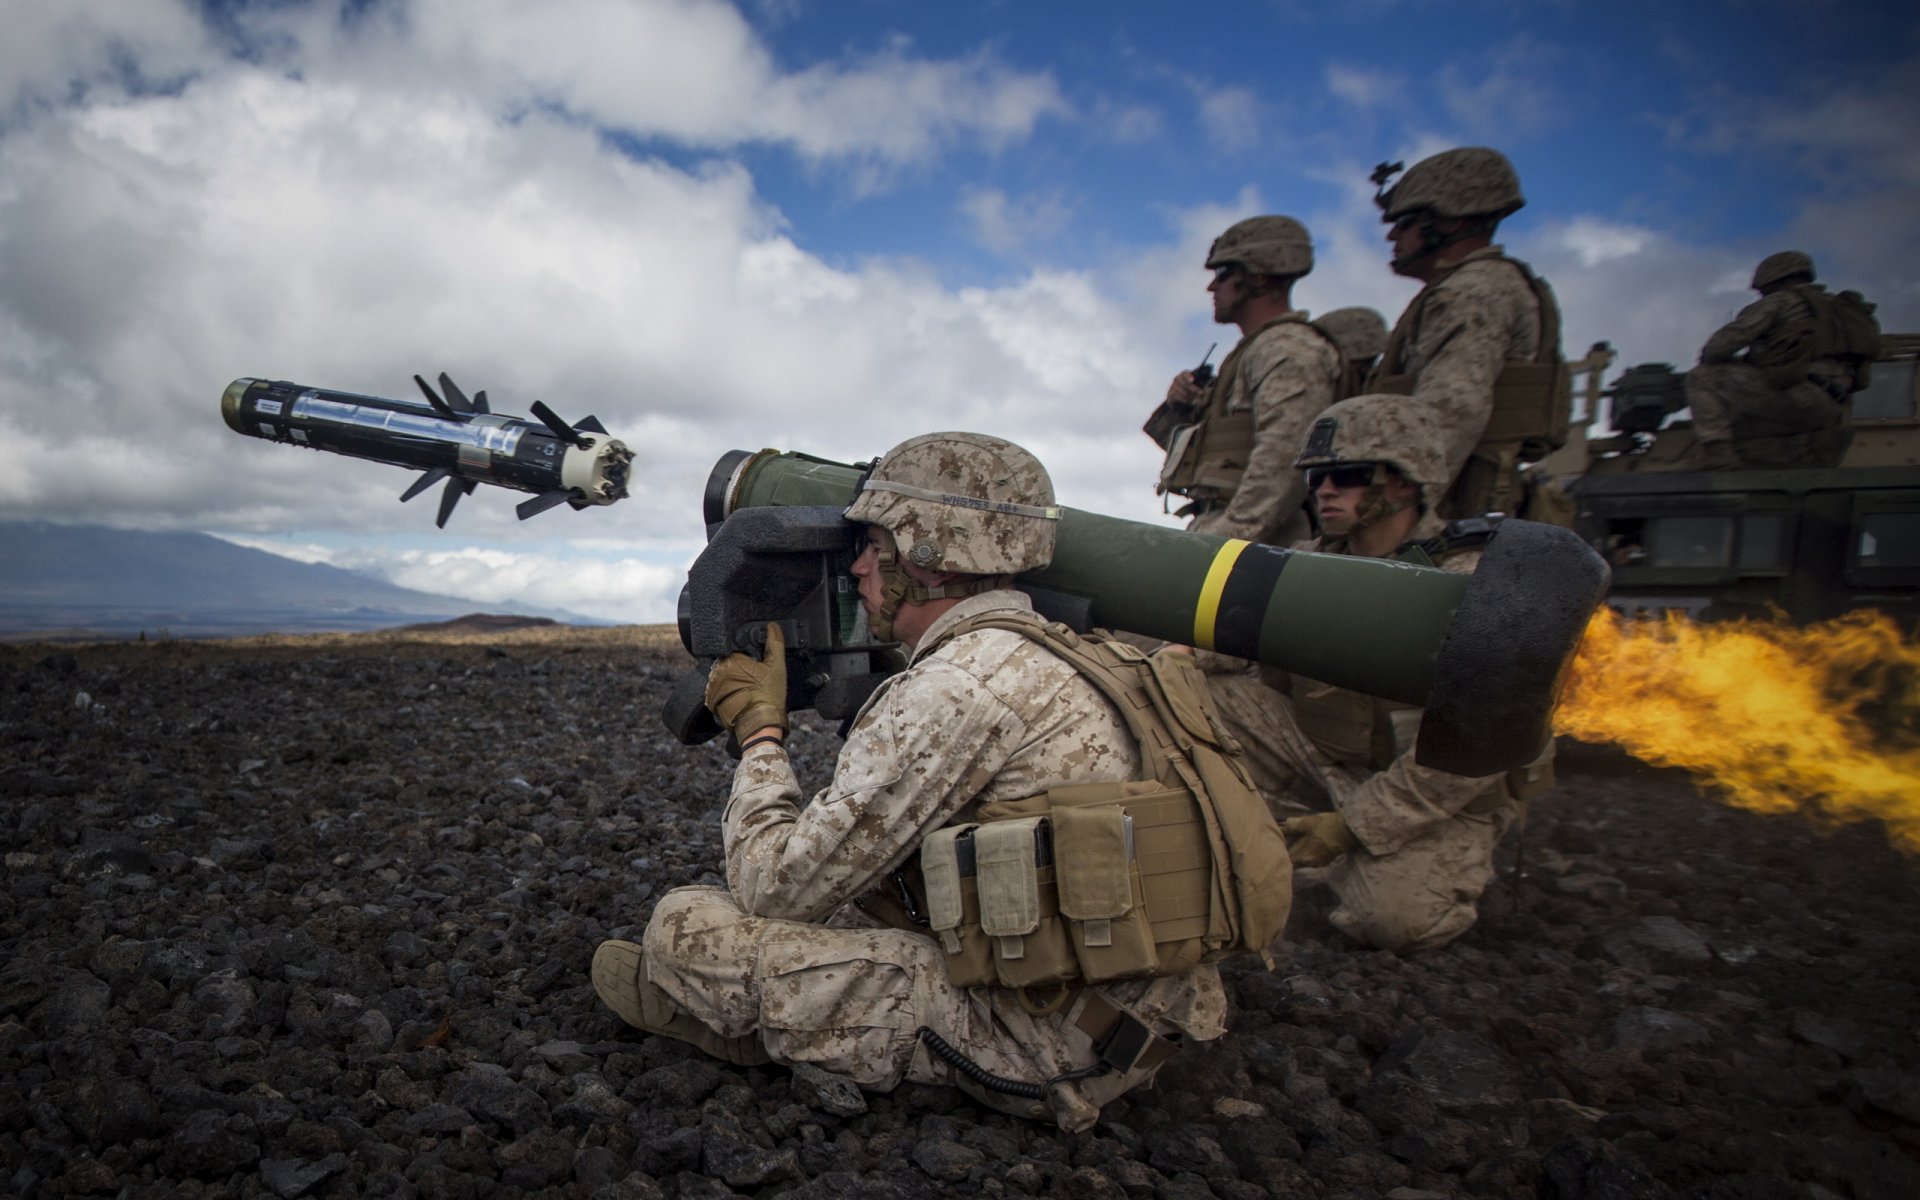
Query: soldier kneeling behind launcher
[[1407, 849]]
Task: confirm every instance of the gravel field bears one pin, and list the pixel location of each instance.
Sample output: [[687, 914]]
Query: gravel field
[[313, 918]]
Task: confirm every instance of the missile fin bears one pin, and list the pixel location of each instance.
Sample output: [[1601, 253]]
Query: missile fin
[[542, 502], [480, 401], [433, 398], [455, 397], [430, 477], [456, 488], [559, 428]]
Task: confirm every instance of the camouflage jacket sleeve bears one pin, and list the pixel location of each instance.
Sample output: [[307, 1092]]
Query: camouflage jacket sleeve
[[1392, 806], [1290, 371], [1475, 320], [988, 716], [1744, 330]]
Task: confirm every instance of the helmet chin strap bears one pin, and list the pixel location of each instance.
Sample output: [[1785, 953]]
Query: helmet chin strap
[[898, 588], [1432, 241], [1375, 506]]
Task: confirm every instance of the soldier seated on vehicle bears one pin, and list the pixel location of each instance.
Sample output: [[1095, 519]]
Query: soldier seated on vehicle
[[1407, 849], [812, 952], [1774, 384]]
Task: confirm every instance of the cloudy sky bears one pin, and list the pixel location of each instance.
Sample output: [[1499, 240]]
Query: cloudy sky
[[827, 226]]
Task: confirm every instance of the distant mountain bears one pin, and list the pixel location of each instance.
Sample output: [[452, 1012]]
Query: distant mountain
[[70, 581]]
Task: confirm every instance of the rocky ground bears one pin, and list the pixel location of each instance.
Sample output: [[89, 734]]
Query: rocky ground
[[315, 921]]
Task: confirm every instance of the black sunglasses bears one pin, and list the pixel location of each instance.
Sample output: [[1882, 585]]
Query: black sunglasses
[[1350, 475]]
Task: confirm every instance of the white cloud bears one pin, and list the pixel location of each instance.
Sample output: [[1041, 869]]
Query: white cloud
[[1507, 92], [628, 591], [1005, 224], [52, 51], [1125, 122], [1364, 87], [695, 72], [1231, 117], [1594, 241]]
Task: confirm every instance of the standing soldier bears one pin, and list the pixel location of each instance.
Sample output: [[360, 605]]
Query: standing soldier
[[1773, 385], [1360, 334], [1229, 443], [1407, 849], [1480, 343]]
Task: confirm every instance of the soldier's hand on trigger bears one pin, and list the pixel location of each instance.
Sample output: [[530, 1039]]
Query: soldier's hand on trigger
[[1318, 838], [749, 694]]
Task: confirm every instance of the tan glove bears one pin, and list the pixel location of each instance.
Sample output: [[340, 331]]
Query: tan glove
[[1317, 839], [748, 694]]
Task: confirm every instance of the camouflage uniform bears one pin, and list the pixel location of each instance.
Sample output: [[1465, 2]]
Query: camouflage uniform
[[1426, 837], [1465, 325], [1232, 455], [785, 953], [1285, 372], [1807, 422]]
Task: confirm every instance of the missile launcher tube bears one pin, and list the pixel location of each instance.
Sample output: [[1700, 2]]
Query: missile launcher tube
[[1484, 654], [1309, 613]]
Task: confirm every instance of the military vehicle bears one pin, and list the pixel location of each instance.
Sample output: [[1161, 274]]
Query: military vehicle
[[1808, 543]]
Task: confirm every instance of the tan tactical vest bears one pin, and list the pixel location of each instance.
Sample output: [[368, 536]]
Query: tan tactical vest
[[1532, 405], [1356, 730], [1092, 882], [1207, 459]]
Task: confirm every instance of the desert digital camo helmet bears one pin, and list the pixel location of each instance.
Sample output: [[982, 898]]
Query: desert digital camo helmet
[[955, 502], [1784, 265], [1358, 332], [1379, 428], [1472, 181], [1264, 246]]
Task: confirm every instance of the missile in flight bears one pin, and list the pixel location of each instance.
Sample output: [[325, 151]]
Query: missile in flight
[[450, 438]]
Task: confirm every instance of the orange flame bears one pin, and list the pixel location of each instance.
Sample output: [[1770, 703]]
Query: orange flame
[[1817, 719]]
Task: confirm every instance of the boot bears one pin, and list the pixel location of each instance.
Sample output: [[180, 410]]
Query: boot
[[1715, 456], [620, 980]]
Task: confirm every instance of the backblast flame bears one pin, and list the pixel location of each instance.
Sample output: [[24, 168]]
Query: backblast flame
[[1818, 719]]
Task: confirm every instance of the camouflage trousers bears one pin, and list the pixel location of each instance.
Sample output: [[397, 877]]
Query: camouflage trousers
[[851, 999], [1420, 896], [1797, 426]]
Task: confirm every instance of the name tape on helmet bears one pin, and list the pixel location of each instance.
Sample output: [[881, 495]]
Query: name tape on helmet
[[1048, 513]]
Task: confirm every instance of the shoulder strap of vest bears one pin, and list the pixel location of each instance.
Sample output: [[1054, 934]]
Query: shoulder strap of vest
[[1121, 673]]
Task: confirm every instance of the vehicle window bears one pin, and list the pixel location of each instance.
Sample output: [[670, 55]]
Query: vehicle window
[[1689, 541], [1890, 394], [1890, 539], [1763, 541]]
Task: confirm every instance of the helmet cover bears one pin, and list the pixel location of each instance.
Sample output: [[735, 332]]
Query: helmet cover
[[1775, 267], [1264, 246], [1358, 332], [1380, 428], [962, 502], [1472, 181]]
